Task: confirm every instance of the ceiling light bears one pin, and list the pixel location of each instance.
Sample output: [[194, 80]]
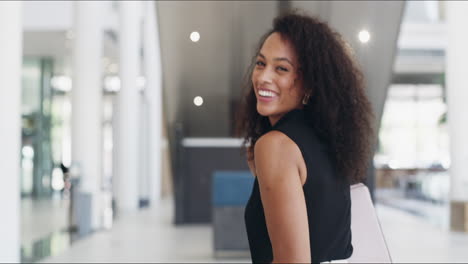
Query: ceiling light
[[198, 100], [364, 36], [195, 36]]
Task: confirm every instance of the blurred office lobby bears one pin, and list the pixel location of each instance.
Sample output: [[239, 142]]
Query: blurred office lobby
[[118, 121]]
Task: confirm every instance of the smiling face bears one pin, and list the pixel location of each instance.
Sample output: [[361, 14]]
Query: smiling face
[[275, 78]]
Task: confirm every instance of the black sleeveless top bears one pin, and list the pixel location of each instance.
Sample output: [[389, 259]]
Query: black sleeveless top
[[327, 198]]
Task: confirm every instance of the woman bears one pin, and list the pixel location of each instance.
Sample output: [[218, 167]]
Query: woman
[[308, 123]]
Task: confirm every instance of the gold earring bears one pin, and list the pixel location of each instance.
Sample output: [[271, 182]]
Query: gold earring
[[305, 100]]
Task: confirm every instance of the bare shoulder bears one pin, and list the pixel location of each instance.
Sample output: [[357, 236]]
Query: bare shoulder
[[274, 140], [275, 154]]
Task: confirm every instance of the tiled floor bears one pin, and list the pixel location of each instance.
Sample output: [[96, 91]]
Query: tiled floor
[[149, 236], [41, 217], [146, 236], [414, 239], [437, 213]]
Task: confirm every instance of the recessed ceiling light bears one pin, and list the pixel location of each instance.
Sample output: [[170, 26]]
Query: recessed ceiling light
[[364, 36], [198, 100], [195, 36]]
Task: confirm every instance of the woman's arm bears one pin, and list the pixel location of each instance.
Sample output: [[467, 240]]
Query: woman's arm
[[277, 160]]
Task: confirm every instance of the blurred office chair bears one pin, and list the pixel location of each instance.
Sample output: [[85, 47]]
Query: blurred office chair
[[230, 192], [367, 237]]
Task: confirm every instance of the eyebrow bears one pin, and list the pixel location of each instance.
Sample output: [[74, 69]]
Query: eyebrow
[[277, 59]]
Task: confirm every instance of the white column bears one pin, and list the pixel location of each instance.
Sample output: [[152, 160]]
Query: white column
[[143, 178], [10, 126], [87, 102], [457, 98], [153, 74], [128, 97]]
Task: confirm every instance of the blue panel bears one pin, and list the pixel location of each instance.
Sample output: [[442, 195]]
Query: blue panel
[[231, 188]]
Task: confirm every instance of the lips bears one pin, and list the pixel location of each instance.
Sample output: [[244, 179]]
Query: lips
[[265, 89], [266, 95]]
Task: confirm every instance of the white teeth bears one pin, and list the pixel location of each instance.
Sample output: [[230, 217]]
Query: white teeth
[[266, 93]]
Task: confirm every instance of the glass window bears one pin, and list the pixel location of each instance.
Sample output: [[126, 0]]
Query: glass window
[[413, 133]]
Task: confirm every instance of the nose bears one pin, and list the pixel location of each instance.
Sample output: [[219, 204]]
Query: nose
[[265, 76]]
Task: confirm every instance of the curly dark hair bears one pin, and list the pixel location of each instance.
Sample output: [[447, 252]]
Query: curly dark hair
[[341, 113]]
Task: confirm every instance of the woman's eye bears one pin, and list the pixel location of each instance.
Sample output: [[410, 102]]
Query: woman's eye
[[282, 69], [260, 63]]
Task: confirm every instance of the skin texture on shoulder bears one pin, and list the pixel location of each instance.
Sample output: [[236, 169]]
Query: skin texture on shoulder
[[277, 161]]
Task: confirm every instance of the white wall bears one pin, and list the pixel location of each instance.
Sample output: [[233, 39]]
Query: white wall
[[10, 127]]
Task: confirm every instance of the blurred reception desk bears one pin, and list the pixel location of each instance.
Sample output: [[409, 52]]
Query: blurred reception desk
[[196, 159]]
